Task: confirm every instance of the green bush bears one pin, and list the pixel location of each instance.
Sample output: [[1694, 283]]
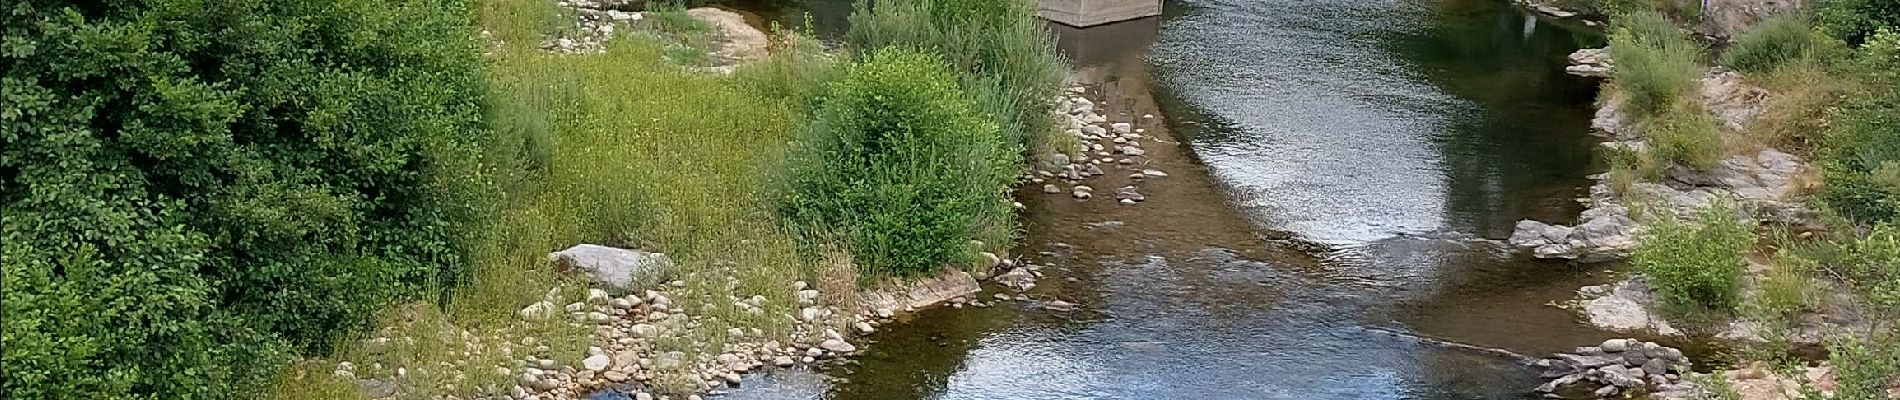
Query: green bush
[[1697, 265], [1855, 21], [1655, 63], [191, 190], [1001, 52], [901, 167], [1865, 370], [1861, 159], [1780, 40]]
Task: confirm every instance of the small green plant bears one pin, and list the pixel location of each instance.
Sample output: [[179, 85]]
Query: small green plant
[[1697, 265], [1655, 63], [900, 166]]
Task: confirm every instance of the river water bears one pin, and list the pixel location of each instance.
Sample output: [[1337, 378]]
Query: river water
[[1329, 230]]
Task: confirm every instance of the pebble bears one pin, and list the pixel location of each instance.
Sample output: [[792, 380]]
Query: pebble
[[1051, 189]]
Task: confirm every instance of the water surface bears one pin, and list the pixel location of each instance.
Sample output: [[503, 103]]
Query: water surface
[[1403, 137]]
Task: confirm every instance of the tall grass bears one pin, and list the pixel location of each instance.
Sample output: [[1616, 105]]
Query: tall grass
[[1003, 56], [1655, 63]]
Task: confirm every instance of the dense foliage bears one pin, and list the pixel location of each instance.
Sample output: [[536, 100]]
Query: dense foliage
[[901, 166], [1861, 162], [1857, 20], [1696, 265], [1001, 53], [1780, 40], [192, 189]]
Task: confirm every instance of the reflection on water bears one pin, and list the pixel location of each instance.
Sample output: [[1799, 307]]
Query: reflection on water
[[1404, 134]]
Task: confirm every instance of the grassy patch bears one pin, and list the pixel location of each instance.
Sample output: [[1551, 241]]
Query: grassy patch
[[1685, 134], [1796, 115]]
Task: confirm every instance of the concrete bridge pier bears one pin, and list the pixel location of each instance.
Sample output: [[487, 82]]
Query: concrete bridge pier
[[1082, 13]]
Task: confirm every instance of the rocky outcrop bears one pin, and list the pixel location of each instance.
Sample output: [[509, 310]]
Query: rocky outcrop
[[1606, 233], [1761, 181], [621, 269], [1723, 19], [1593, 63], [1732, 100], [1617, 368]]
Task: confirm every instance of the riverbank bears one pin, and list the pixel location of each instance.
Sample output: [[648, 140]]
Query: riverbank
[[1221, 271], [1691, 157], [641, 131]]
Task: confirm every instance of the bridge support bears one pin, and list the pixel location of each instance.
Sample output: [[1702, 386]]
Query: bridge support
[[1081, 13]]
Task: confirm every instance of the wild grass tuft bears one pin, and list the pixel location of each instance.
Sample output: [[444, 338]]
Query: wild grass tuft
[[1655, 63]]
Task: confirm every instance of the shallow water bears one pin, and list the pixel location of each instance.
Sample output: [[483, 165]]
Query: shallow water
[[1404, 137]]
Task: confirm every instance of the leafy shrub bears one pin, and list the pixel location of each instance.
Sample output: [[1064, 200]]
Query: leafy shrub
[[1655, 64], [900, 166], [1778, 41], [1855, 21], [1870, 266], [1865, 370], [191, 191], [1001, 53], [1697, 265]]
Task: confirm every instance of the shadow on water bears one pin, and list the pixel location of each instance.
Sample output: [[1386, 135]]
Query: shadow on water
[[1405, 135]]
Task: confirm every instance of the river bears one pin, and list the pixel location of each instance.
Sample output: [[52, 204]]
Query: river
[[1329, 230]]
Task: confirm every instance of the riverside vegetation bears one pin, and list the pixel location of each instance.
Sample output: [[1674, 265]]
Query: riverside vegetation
[[342, 199], [1834, 75]]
